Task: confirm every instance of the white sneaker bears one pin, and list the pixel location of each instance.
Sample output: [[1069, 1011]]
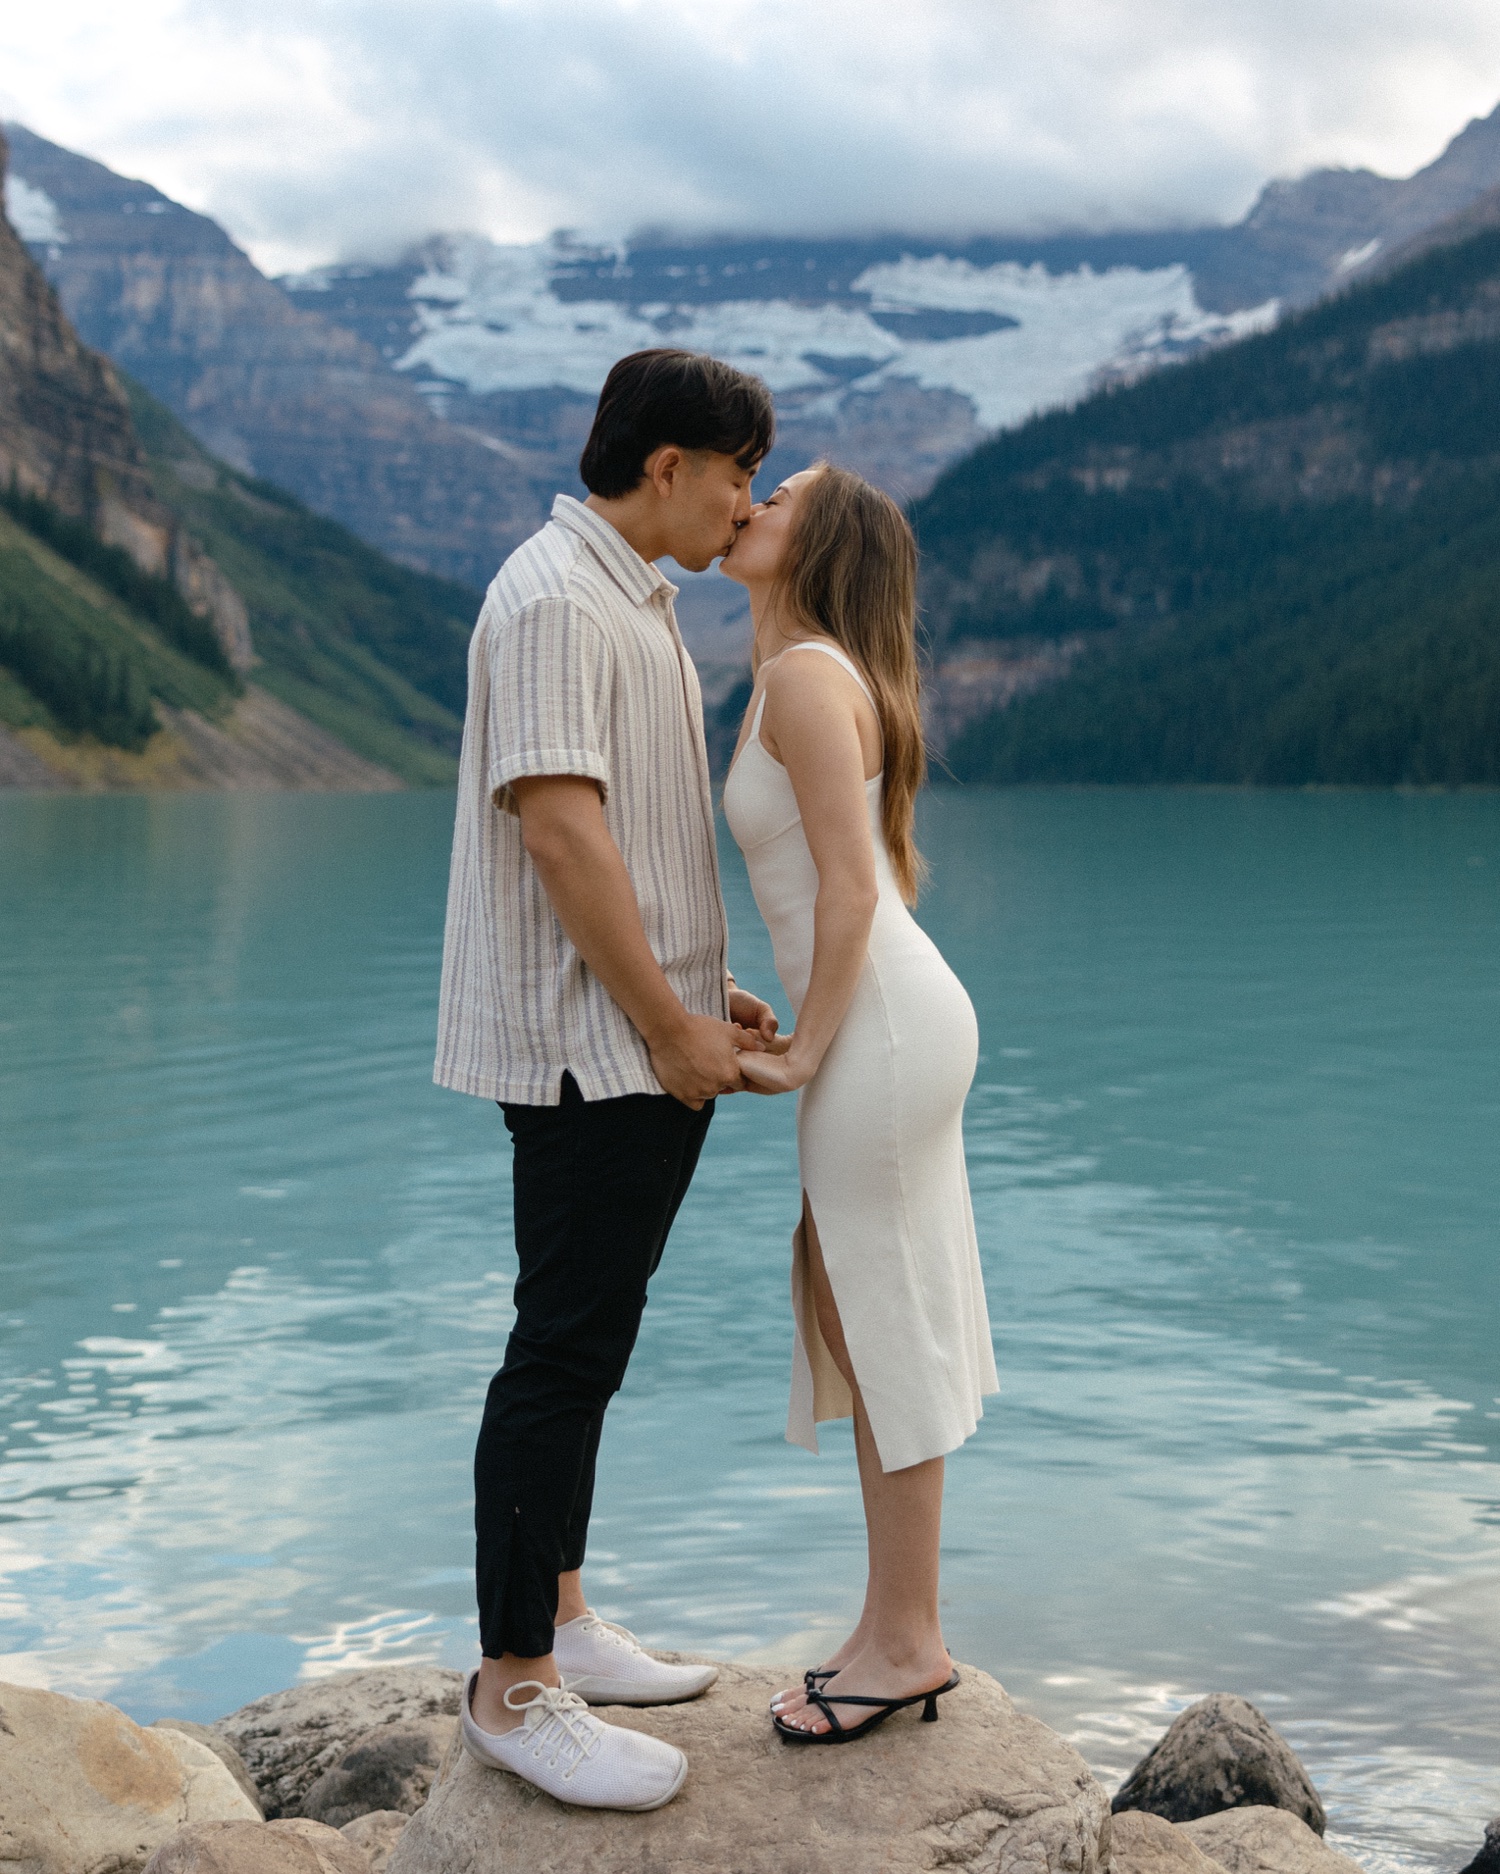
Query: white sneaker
[[606, 1665], [563, 1749]]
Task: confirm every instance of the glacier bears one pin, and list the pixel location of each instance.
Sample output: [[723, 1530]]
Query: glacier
[[488, 318]]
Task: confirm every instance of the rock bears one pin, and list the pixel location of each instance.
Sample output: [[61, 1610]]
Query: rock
[[1487, 1861], [279, 392], [290, 1738], [65, 425], [985, 1788], [295, 1847], [1220, 1754], [1260, 1840], [1142, 1843], [226, 1753], [83, 1790], [376, 1835], [391, 1767]]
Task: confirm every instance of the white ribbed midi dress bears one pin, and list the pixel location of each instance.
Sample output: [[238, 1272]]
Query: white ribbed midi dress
[[880, 1144]]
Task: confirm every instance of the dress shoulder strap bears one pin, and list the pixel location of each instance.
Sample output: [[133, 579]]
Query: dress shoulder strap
[[839, 656]]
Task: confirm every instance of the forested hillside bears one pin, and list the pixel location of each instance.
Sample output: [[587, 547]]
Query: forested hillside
[[166, 621], [80, 657], [1278, 563], [367, 650], [372, 651]]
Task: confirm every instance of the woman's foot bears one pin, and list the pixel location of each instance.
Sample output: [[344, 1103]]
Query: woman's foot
[[873, 1673], [794, 1697]]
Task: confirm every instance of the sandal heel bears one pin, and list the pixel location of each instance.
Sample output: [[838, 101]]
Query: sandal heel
[[929, 1710]]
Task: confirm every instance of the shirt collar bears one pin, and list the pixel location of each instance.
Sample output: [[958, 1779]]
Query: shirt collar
[[637, 578]]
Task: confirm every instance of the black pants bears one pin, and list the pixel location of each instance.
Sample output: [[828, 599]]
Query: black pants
[[597, 1185]]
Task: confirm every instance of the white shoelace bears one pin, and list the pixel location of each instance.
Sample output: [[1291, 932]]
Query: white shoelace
[[559, 1719], [594, 1623]]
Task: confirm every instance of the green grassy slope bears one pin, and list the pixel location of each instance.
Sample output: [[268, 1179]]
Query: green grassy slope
[[75, 659], [1283, 559], [370, 650]]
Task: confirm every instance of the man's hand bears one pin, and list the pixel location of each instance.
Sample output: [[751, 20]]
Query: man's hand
[[696, 1058], [562, 824], [748, 1011]]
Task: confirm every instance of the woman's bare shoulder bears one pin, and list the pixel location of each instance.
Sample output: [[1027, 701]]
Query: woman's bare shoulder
[[812, 705], [801, 670]]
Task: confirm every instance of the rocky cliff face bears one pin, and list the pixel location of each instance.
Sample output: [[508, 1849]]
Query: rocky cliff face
[[66, 434], [68, 437], [65, 428], [275, 391], [1309, 237]]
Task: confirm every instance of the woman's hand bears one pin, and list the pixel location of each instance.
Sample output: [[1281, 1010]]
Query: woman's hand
[[782, 1068]]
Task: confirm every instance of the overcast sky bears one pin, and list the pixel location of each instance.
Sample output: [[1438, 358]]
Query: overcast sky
[[320, 129]]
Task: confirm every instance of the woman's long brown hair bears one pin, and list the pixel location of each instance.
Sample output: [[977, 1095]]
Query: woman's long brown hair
[[851, 573]]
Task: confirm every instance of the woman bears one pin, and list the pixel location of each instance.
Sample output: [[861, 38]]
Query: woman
[[889, 1303]]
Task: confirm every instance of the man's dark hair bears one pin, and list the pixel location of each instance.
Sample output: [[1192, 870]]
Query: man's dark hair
[[681, 397]]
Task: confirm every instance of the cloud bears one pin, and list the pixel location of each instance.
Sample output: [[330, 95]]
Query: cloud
[[323, 128]]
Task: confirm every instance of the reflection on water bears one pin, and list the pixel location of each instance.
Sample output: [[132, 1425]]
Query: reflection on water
[[1234, 1153]]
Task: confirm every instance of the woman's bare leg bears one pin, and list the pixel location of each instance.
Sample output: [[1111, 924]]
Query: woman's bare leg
[[897, 1648]]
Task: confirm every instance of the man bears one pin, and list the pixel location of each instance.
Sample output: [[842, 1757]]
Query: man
[[585, 988]]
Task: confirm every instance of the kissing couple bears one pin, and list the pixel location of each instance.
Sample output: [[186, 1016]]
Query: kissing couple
[[586, 989]]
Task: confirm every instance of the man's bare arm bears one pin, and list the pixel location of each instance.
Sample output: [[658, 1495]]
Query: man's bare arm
[[584, 877]]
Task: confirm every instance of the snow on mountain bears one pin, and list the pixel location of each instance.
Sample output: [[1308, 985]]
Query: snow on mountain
[[1068, 328], [32, 213], [1010, 338]]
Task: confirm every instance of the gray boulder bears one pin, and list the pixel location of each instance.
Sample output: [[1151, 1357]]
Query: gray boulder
[[1258, 1840], [986, 1788], [391, 1767], [295, 1847], [1220, 1754], [1487, 1861], [226, 1753], [376, 1835], [290, 1738], [1141, 1843]]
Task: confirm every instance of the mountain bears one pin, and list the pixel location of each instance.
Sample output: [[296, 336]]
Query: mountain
[[433, 404], [371, 651], [895, 355], [92, 697], [66, 437], [279, 394], [1279, 563], [1306, 238], [167, 621]]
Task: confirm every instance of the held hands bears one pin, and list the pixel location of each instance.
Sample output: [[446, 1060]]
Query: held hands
[[748, 1011], [764, 1060], [699, 1057], [781, 1067]]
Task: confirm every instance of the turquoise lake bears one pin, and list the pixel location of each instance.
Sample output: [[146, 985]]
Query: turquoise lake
[[1235, 1150]]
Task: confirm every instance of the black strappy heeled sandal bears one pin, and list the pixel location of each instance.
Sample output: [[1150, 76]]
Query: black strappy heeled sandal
[[883, 1707]]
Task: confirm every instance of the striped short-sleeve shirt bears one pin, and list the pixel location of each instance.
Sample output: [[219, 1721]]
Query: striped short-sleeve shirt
[[576, 667]]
